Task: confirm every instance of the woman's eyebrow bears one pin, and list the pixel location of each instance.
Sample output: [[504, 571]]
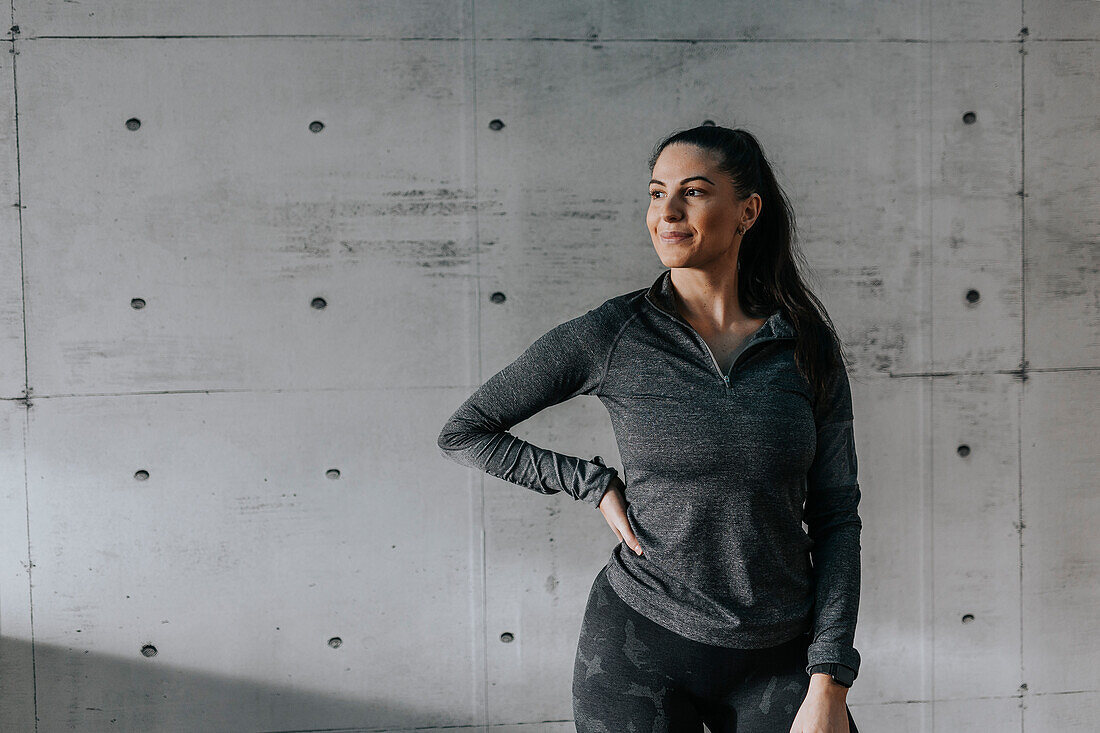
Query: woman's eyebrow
[[690, 178]]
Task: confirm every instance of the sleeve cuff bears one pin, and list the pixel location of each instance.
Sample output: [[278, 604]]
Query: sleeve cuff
[[824, 652], [607, 475]]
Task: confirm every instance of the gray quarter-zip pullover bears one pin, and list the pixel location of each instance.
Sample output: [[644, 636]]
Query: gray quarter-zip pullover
[[720, 470]]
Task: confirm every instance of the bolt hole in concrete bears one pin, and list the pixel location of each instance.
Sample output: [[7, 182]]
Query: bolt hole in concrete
[[149, 650], [335, 641], [497, 297], [972, 296], [133, 123], [964, 450], [141, 475], [496, 125], [969, 118], [507, 637], [967, 618], [316, 126], [318, 303], [137, 303], [333, 473]]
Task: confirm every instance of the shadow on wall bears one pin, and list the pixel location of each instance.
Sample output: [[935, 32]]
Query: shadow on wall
[[77, 690]]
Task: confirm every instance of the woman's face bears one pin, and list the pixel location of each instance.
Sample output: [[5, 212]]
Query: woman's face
[[693, 211]]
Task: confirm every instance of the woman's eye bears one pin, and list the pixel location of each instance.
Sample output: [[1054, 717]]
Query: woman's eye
[[654, 194]]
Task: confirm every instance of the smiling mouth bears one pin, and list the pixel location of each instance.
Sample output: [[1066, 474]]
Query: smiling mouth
[[674, 236]]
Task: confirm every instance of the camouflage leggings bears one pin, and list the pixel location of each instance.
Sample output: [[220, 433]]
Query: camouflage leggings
[[633, 676]]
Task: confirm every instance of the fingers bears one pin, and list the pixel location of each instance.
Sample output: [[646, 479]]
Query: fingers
[[615, 512], [627, 535]]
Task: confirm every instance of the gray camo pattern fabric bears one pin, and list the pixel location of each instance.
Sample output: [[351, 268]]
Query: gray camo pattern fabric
[[631, 674]]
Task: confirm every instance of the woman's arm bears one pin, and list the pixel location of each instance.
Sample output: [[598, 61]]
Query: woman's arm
[[562, 363], [832, 500]]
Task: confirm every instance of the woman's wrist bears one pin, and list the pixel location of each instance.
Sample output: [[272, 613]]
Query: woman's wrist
[[825, 684]]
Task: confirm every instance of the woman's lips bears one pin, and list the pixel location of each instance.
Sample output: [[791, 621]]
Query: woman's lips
[[674, 236]]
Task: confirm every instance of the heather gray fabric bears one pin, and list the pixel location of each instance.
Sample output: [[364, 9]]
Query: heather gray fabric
[[720, 471]]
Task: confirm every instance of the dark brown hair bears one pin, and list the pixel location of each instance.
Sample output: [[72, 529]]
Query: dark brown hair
[[768, 261]]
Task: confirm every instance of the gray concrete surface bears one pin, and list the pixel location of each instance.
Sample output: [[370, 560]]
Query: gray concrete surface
[[241, 558]]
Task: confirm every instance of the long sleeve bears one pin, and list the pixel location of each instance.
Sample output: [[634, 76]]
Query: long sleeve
[[831, 514], [566, 361]]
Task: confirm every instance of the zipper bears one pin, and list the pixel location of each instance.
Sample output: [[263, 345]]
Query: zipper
[[744, 349], [714, 361]]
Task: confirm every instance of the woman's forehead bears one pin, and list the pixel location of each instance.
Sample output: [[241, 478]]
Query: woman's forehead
[[680, 154]]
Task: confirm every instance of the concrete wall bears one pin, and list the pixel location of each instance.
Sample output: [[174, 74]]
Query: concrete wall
[[273, 594]]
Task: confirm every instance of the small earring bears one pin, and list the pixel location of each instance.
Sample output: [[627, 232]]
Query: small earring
[[741, 229]]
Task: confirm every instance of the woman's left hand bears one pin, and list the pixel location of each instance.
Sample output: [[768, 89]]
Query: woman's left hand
[[824, 710]]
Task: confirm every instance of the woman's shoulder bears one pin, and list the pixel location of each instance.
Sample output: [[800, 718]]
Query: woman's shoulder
[[592, 332], [609, 316]]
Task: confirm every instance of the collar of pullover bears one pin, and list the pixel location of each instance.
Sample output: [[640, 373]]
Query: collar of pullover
[[661, 295]]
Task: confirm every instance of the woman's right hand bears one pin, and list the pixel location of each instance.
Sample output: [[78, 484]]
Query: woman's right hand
[[613, 507]]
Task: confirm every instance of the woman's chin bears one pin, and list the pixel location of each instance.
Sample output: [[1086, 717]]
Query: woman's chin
[[674, 257]]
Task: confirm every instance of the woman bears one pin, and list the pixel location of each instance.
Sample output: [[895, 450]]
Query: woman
[[729, 397]]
